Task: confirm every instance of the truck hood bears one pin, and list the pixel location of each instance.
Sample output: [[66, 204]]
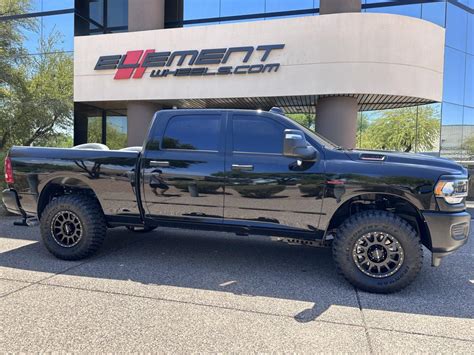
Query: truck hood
[[388, 157]]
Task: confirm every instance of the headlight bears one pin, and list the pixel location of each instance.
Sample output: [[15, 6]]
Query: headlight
[[453, 191]]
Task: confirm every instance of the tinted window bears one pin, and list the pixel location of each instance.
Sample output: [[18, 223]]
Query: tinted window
[[257, 135], [194, 132]]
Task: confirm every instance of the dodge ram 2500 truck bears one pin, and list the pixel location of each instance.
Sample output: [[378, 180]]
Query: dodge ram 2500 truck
[[249, 172]]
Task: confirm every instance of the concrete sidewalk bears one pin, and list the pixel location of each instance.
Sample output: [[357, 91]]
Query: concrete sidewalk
[[178, 291]]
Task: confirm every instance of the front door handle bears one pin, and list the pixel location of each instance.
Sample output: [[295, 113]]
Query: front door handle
[[159, 163], [242, 167]]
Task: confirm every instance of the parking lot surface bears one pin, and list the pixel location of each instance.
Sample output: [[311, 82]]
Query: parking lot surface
[[182, 291]]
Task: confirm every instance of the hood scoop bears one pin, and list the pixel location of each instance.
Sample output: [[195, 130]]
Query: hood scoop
[[372, 156]]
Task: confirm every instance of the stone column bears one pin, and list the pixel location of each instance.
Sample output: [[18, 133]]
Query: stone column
[[336, 119], [139, 116], [143, 15], [146, 15]]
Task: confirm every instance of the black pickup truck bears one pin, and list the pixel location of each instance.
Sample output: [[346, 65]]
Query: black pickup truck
[[249, 172]]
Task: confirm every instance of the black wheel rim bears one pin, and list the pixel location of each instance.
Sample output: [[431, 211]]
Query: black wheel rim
[[66, 229], [378, 254]]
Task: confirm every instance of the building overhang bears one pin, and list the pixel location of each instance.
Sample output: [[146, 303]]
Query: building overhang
[[384, 60]]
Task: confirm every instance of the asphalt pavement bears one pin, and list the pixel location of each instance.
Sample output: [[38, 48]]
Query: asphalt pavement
[[193, 291]]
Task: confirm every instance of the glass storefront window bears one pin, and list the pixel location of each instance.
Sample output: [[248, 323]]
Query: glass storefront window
[[468, 116], [115, 127], [116, 132], [434, 12], [428, 128], [199, 9], [413, 10], [452, 131], [94, 130], [452, 114], [285, 5], [8, 7], [61, 28], [30, 33], [456, 26], [35, 32], [96, 11], [204, 9], [407, 129], [37, 6], [90, 19], [117, 13], [51, 5], [467, 2], [376, 1], [454, 72], [468, 132], [469, 84], [242, 7], [470, 34], [34, 5]]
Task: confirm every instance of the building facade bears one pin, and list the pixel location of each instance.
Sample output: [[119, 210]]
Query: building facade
[[397, 75]]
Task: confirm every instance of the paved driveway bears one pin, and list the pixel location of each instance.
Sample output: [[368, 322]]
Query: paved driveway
[[197, 291]]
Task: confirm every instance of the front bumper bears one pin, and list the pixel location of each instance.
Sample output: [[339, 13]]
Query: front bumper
[[449, 232], [12, 202]]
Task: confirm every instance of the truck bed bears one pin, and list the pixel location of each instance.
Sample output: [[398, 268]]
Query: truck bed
[[110, 173]]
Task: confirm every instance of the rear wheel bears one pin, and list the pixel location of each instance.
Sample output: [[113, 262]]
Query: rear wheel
[[378, 251], [73, 227]]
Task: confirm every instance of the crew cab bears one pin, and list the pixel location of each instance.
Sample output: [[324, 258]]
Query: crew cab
[[250, 173]]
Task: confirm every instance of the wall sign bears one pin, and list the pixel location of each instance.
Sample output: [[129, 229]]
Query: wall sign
[[133, 64]]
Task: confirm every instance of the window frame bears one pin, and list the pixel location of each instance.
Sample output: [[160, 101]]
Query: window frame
[[220, 142]]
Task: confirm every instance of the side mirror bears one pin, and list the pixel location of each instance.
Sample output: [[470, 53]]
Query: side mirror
[[295, 145]]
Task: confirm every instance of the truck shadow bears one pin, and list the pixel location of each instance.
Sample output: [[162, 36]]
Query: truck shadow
[[254, 267]]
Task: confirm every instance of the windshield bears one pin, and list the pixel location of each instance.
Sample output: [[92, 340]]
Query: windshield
[[317, 137]]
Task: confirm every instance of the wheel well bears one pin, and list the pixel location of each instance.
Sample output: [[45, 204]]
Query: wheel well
[[60, 187], [383, 202]]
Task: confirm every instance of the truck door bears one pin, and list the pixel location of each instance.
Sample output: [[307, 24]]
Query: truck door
[[183, 167], [264, 187]]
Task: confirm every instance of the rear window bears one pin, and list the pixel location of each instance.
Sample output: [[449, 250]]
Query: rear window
[[193, 132]]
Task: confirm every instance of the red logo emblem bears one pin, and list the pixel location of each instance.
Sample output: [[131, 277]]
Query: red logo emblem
[[132, 64]]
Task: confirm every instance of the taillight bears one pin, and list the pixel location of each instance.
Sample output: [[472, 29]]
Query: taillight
[[9, 171]]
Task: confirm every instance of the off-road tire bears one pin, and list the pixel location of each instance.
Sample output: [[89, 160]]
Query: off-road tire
[[92, 220], [358, 225], [144, 229]]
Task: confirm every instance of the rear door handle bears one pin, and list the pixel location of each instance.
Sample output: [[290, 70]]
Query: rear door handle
[[159, 163], [242, 167]]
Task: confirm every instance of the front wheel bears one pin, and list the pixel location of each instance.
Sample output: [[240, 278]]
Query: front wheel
[[378, 251], [73, 227]]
